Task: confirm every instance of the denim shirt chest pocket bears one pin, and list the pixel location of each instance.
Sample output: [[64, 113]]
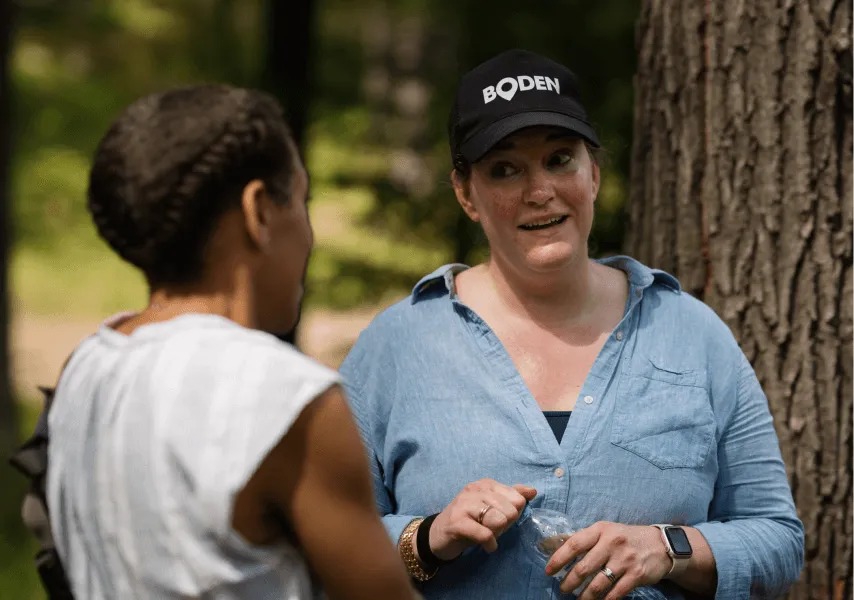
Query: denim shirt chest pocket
[[663, 414]]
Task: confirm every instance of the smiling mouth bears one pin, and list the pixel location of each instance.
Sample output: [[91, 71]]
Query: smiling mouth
[[543, 224]]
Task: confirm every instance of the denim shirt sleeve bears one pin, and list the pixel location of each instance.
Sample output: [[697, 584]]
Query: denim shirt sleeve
[[753, 531], [362, 411]]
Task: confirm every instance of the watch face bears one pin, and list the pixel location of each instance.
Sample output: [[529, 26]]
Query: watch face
[[678, 541]]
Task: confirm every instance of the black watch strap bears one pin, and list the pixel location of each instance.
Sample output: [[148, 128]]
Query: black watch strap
[[422, 542]]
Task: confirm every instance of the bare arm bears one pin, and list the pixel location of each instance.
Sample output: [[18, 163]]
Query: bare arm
[[318, 476]]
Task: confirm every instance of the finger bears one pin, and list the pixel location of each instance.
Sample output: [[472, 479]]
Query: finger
[[588, 566], [578, 543], [597, 588], [475, 533], [511, 495], [500, 504], [527, 491], [623, 587], [497, 520]]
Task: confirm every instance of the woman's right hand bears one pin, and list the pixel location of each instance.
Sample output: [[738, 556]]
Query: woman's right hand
[[457, 528]]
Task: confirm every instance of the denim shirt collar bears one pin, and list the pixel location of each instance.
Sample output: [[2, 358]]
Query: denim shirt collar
[[640, 276]]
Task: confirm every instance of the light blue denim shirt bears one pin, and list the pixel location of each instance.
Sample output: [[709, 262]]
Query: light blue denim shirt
[[671, 426]]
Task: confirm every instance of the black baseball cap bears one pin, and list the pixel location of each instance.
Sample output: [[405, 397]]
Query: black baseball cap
[[509, 92]]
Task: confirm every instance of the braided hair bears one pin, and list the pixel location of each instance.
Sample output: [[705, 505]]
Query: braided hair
[[171, 165]]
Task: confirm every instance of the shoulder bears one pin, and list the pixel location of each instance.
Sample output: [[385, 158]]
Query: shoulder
[[684, 315], [387, 335], [406, 339], [247, 387], [684, 337], [407, 322], [666, 305], [266, 356], [208, 352]]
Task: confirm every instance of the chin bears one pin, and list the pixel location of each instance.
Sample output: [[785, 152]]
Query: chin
[[281, 326], [283, 332], [551, 258]]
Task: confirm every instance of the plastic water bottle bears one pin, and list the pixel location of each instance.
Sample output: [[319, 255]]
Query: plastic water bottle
[[543, 531]]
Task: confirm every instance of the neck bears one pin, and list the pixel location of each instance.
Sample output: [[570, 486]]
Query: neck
[[231, 298], [560, 298]]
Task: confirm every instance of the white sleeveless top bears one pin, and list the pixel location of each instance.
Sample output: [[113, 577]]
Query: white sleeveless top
[[151, 437]]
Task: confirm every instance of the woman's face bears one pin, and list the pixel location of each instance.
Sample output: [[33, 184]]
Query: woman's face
[[281, 272], [533, 194]]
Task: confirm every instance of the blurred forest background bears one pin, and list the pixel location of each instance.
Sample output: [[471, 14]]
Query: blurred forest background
[[741, 186], [377, 83]]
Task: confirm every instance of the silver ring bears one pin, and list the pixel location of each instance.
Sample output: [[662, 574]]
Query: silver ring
[[610, 575], [483, 514]]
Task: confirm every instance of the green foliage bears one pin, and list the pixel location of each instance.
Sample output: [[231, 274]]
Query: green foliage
[[18, 576], [76, 65], [84, 280], [78, 62]]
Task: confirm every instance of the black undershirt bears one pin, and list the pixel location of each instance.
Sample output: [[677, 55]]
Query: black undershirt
[[558, 420]]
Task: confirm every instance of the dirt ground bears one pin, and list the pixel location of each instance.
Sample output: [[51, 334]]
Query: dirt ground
[[41, 344]]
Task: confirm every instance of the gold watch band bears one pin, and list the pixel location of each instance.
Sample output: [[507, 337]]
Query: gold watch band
[[404, 546]]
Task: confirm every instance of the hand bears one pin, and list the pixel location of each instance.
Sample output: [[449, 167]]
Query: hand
[[635, 554], [457, 527]]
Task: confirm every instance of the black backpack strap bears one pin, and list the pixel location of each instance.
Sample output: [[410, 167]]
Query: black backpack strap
[[31, 460]]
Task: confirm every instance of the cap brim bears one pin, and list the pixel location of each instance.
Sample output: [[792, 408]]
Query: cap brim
[[479, 144]]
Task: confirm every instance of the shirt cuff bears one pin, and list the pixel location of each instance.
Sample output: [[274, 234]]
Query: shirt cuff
[[395, 524], [731, 560]]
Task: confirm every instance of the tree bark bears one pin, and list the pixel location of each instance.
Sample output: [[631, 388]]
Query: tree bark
[[8, 412], [287, 69], [741, 186]]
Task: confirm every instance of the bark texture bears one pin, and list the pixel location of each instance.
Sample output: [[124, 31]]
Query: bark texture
[[742, 188]]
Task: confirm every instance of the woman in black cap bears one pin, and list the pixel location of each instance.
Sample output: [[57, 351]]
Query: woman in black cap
[[596, 388]]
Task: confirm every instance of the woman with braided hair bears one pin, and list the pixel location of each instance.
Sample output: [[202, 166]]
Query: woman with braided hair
[[193, 454]]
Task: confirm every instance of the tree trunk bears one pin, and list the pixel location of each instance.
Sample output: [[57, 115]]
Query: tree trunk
[[741, 186], [287, 73], [8, 413], [287, 69]]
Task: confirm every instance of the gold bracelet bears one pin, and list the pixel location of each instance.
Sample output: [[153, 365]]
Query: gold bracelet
[[404, 546]]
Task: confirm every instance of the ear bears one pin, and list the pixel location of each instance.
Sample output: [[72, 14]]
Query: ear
[[596, 181], [462, 189], [256, 206]]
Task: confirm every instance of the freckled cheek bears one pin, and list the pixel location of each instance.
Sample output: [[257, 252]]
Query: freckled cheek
[[505, 207], [578, 196]]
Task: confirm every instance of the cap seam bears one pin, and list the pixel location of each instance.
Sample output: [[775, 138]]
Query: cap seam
[[518, 112]]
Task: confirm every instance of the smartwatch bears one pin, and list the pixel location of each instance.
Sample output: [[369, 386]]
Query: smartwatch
[[678, 548]]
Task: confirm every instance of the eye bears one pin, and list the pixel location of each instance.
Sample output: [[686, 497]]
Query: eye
[[502, 170], [561, 158]]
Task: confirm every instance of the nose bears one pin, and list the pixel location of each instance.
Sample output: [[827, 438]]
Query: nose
[[540, 189]]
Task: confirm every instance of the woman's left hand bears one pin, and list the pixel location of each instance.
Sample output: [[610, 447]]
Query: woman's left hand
[[635, 554]]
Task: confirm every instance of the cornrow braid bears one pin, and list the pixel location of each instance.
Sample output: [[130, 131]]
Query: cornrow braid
[[174, 162]]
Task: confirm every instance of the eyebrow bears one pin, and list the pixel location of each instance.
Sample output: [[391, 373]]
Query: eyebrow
[[557, 135]]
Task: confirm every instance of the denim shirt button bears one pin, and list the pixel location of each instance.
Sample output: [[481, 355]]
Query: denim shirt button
[[619, 336], [588, 399], [558, 472]]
